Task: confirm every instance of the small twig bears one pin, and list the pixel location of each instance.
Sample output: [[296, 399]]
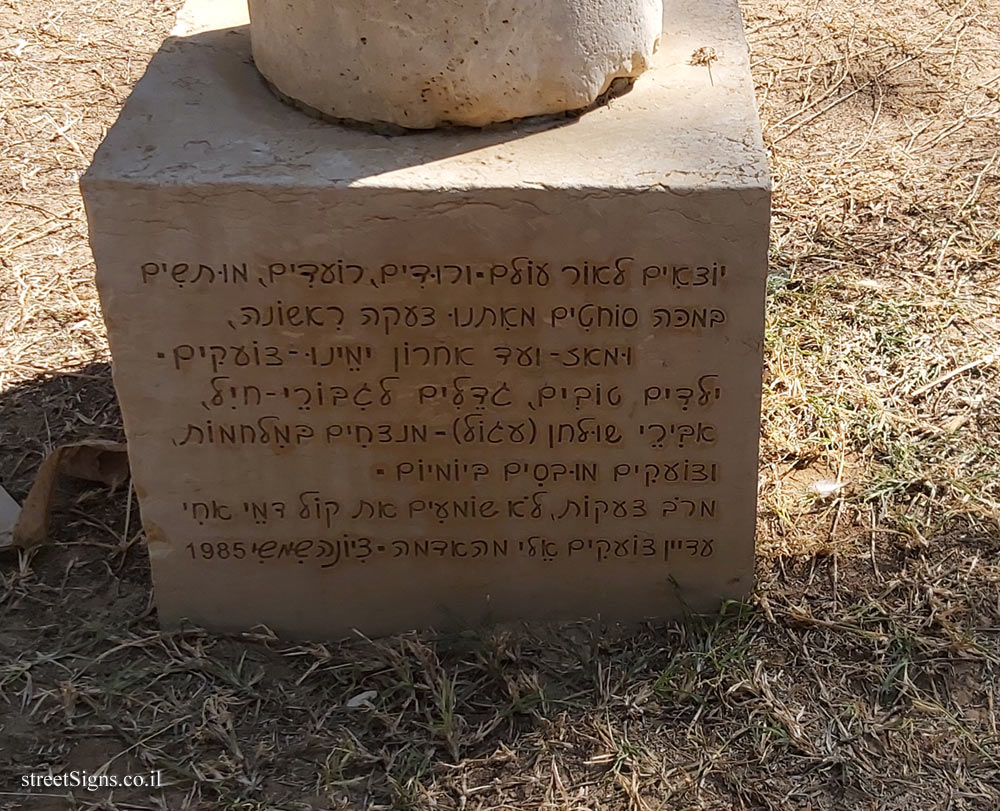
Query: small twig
[[971, 199], [984, 361], [871, 539]]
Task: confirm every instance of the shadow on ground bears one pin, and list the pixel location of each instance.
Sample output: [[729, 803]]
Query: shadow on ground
[[50, 410]]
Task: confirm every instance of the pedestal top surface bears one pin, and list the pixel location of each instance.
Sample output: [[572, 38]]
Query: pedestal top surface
[[203, 115]]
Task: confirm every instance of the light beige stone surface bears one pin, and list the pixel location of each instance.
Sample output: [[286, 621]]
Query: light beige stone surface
[[444, 378], [471, 62]]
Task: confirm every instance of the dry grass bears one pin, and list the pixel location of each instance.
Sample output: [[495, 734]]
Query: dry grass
[[863, 675], [886, 156]]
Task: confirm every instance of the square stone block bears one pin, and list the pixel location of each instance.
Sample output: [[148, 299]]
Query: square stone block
[[444, 378]]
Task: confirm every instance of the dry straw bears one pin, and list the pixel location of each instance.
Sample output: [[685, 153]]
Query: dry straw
[[863, 674]]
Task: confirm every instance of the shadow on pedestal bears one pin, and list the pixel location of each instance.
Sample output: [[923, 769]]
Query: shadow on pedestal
[[200, 89]]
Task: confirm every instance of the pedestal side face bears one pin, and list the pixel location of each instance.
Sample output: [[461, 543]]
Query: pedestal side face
[[515, 376], [472, 62]]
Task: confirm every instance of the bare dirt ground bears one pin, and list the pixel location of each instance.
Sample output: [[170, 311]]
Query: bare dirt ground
[[863, 674]]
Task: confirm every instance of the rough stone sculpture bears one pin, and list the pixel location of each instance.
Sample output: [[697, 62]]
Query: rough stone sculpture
[[464, 62]]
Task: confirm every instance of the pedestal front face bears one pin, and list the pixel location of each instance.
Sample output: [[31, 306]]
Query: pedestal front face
[[386, 383]]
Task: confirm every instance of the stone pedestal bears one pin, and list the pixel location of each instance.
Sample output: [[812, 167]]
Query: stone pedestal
[[445, 378]]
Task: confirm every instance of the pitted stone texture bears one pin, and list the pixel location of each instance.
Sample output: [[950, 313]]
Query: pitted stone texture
[[466, 62]]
